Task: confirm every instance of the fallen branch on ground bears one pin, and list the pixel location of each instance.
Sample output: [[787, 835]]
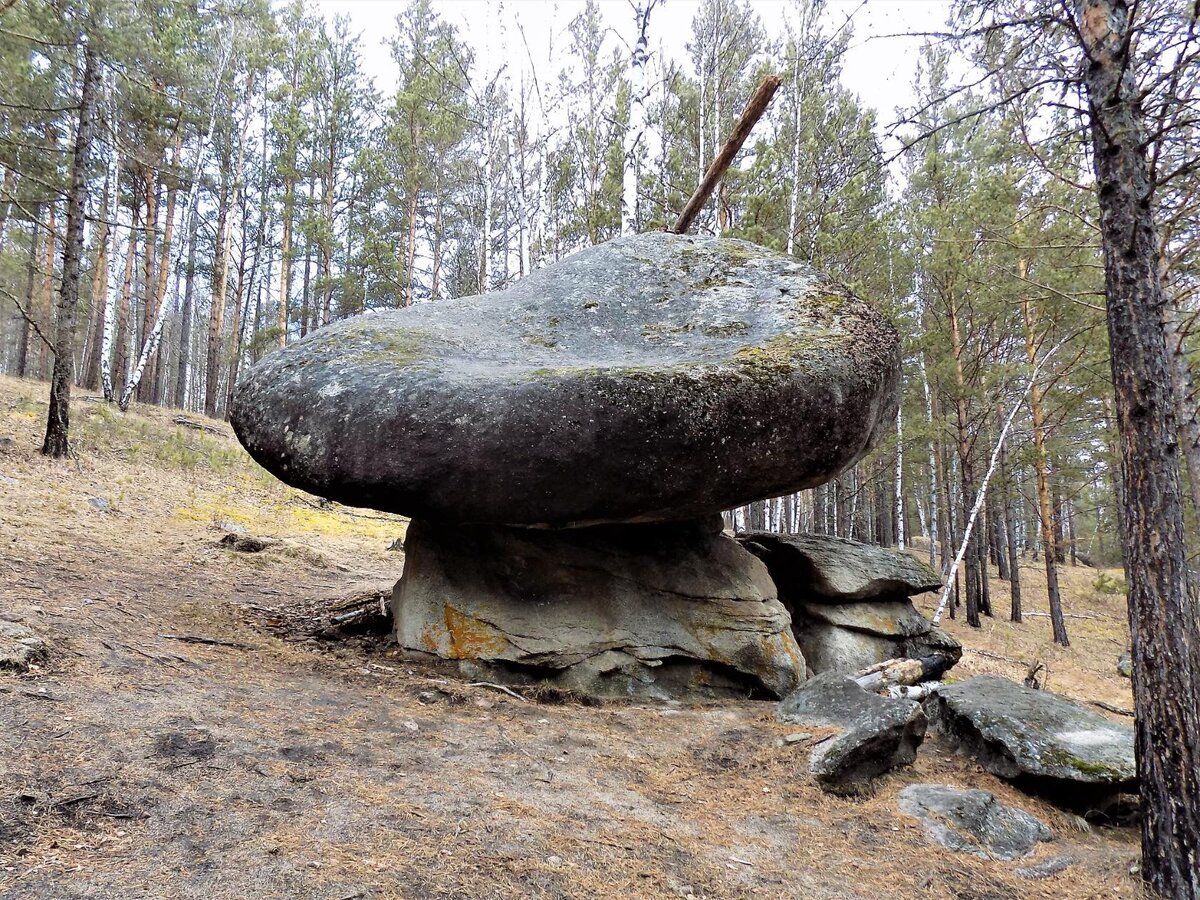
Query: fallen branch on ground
[[199, 426], [212, 642], [1119, 710], [893, 672], [498, 687]]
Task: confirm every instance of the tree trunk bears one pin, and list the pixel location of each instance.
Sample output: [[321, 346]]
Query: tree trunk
[[1010, 533], [185, 318], [149, 258], [1187, 397], [121, 367], [1164, 618], [149, 388], [304, 287], [1041, 469], [637, 118], [45, 319], [91, 367], [285, 259], [7, 191], [58, 420], [216, 319], [27, 333], [966, 467]]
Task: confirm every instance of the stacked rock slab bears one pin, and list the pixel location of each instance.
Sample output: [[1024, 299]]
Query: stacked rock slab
[[562, 445], [850, 602]]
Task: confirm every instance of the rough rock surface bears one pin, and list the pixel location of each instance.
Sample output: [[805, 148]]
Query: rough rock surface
[[674, 610], [838, 570], [846, 649], [849, 601], [973, 821], [20, 647], [1037, 739], [878, 734], [656, 377]]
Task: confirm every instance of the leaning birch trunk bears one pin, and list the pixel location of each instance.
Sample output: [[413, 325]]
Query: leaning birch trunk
[[970, 523], [189, 211]]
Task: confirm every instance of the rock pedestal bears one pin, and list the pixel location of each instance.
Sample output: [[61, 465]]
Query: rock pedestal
[[661, 611]]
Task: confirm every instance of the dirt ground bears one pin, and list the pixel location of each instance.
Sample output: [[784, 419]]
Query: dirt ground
[[284, 763]]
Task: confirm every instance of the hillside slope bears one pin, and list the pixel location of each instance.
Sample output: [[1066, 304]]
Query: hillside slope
[[276, 763]]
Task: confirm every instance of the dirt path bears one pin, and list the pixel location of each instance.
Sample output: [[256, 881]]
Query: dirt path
[[136, 765]]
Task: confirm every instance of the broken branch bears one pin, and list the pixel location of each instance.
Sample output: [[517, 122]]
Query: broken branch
[[750, 115]]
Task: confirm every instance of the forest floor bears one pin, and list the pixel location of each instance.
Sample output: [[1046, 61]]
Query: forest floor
[[286, 764]]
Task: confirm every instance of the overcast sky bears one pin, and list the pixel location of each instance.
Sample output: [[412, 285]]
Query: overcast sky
[[879, 69]]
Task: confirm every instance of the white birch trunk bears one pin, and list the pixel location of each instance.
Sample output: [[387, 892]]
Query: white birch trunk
[[114, 291], [150, 344], [970, 523], [794, 200]]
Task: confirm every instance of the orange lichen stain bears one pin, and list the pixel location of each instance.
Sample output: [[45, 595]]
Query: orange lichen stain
[[788, 645], [429, 638], [471, 638]]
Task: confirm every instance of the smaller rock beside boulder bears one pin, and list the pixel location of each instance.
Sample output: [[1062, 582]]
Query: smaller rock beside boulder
[[849, 602], [20, 647], [1125, 665], [839, 570], [849, 637], [877, 734], [1041, 741], [973, 821]]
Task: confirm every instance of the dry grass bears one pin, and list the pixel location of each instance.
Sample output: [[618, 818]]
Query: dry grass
[[1097, 628], [138, 766]]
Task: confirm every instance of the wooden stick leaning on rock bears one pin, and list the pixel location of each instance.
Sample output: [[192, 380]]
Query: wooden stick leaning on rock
[[750, 115]]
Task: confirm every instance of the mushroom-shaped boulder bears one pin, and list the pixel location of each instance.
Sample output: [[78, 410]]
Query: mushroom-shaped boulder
[[657, 377]]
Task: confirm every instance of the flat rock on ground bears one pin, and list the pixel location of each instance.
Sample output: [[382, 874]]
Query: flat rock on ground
[[657, 377], [20, 646], [973, 821], [877, 734], [618, 610], [824, 568], [1038, 739]]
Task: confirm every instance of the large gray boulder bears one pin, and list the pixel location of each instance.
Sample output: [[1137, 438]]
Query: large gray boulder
[[659, 611], [821, 568], [657, 377], [1039, 740], [973, 821], [877, 734]]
